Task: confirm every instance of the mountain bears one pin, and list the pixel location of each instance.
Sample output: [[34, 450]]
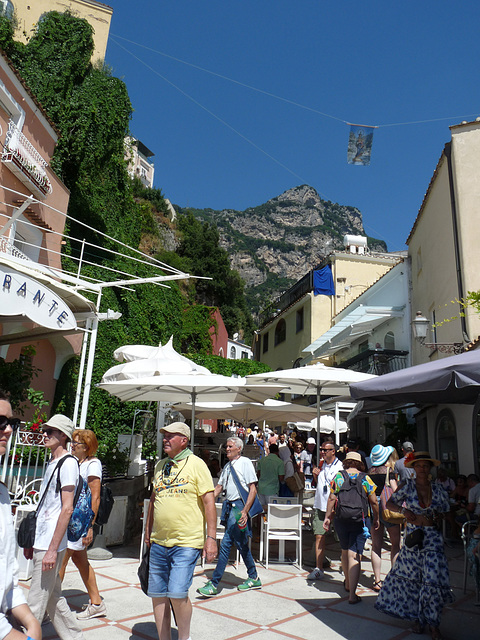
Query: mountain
[[276, 243]]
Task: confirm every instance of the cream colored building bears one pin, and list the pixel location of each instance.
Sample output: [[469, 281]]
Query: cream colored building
[[445, 261], [29, 12], [296, 319]]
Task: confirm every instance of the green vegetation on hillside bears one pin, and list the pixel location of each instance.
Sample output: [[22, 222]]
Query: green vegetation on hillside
[[91, 110]]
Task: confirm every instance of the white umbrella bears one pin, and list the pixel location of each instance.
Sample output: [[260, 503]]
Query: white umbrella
[[192, 386], [163, 360], [313, 379], [327, 425], [249, 411]]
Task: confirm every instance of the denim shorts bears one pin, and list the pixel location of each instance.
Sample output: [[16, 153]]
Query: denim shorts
[[171, 571]]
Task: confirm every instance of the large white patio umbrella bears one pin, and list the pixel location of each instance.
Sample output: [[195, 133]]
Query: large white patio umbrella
[[247, 412], [192, 387], [316, 379]]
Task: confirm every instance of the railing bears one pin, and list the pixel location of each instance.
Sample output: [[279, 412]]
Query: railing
[[299, 289], [25, 161], [11, 250], [377, 361], [23, 466]]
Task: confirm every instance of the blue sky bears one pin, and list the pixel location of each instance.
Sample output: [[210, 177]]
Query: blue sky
[[221, 144]]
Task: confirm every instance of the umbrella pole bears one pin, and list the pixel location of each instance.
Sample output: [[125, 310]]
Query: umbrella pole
[[319, 388], [192, 439]]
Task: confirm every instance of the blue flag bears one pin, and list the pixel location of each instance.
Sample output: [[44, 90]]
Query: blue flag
[[360, 144], [323, 282]]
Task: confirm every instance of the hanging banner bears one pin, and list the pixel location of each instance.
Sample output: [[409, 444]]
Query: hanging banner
[[360, 144]]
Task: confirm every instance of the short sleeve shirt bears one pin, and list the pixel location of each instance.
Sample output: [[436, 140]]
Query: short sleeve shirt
[[338, 481], [91, 468], [49, 511], [179, 515], [270, 468], [246, 474]]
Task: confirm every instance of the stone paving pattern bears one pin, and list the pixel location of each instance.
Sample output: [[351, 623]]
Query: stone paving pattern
[[287, 607]]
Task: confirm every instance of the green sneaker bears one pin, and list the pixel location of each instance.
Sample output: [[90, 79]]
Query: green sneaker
[[250, 584], [208, 590]]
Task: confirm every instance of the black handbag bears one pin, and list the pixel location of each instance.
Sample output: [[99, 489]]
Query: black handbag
[[26, 530], [106, 505], [415, 539], [143, 571]]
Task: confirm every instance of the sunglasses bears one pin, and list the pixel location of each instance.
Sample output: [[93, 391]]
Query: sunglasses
[[13, 422], [327, 449], [49, 432]]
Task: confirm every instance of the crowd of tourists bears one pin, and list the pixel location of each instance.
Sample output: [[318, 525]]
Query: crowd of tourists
[[361, 497]]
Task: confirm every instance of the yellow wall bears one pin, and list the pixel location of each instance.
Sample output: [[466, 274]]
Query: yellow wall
[[432, 249], [466, 170], [28, 12]]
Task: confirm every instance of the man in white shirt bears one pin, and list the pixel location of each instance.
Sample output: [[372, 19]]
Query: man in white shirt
[[329, 466], [50, 543], [237, 531]]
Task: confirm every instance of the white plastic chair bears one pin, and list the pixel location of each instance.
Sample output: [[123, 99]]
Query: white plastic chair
[[263, 521], [284, 522]]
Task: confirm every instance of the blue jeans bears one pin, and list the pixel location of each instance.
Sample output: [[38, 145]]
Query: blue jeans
[[232, 536]]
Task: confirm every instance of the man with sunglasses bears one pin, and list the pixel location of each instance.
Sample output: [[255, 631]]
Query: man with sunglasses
[[50, 543], [324, 474], [181, 503]]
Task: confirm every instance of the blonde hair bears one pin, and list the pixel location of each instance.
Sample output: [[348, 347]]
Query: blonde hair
[[392, 459]]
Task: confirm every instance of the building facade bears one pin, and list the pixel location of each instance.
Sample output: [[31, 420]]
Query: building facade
[[28, 14], [306, 311], [36, 308], [443, 249]]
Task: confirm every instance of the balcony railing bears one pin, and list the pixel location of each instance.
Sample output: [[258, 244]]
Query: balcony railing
[[25, 162], [11, 250], [377, 361]]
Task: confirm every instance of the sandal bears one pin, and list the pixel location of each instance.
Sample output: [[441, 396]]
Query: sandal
[[377, 585], [417, 628], [356, 601]]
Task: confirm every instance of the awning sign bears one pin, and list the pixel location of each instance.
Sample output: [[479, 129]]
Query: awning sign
[[360, 143], [22, 295]]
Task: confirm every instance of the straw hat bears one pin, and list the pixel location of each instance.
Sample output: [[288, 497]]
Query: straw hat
[[380, 454], [420, 456]]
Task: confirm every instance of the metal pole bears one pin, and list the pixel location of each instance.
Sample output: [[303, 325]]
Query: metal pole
[[78, 393], [91, 358]]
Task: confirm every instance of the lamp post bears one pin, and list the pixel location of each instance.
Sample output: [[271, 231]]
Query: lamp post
[[420, 326]]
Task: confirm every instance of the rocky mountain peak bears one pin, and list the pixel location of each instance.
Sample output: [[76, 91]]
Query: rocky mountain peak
[[274, 244]]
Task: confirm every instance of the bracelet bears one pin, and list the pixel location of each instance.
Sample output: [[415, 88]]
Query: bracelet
[[212, 538]]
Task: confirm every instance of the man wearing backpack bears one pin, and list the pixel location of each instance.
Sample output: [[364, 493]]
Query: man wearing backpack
[[50, 544], [352, 498]]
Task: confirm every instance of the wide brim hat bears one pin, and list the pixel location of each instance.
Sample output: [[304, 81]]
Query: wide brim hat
[[177, 427], [62, 423], [380, 454], [420, 456]]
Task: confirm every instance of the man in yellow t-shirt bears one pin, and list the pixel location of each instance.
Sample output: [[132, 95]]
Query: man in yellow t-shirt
[[181, 502]]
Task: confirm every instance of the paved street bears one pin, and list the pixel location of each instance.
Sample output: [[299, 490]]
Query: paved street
[[287, 607]]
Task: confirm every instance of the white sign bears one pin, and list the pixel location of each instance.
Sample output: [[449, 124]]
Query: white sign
[[22, 295]]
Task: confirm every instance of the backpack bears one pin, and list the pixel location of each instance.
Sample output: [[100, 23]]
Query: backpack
[[106, 505], [82, 515], [352, 501]]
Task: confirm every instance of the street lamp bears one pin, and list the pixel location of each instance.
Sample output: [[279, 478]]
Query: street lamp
[[420, 326]]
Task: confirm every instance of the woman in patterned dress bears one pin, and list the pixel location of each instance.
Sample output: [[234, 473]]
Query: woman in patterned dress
[[418, 586]]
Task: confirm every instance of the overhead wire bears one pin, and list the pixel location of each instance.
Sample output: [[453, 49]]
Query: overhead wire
[[277, 97]]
